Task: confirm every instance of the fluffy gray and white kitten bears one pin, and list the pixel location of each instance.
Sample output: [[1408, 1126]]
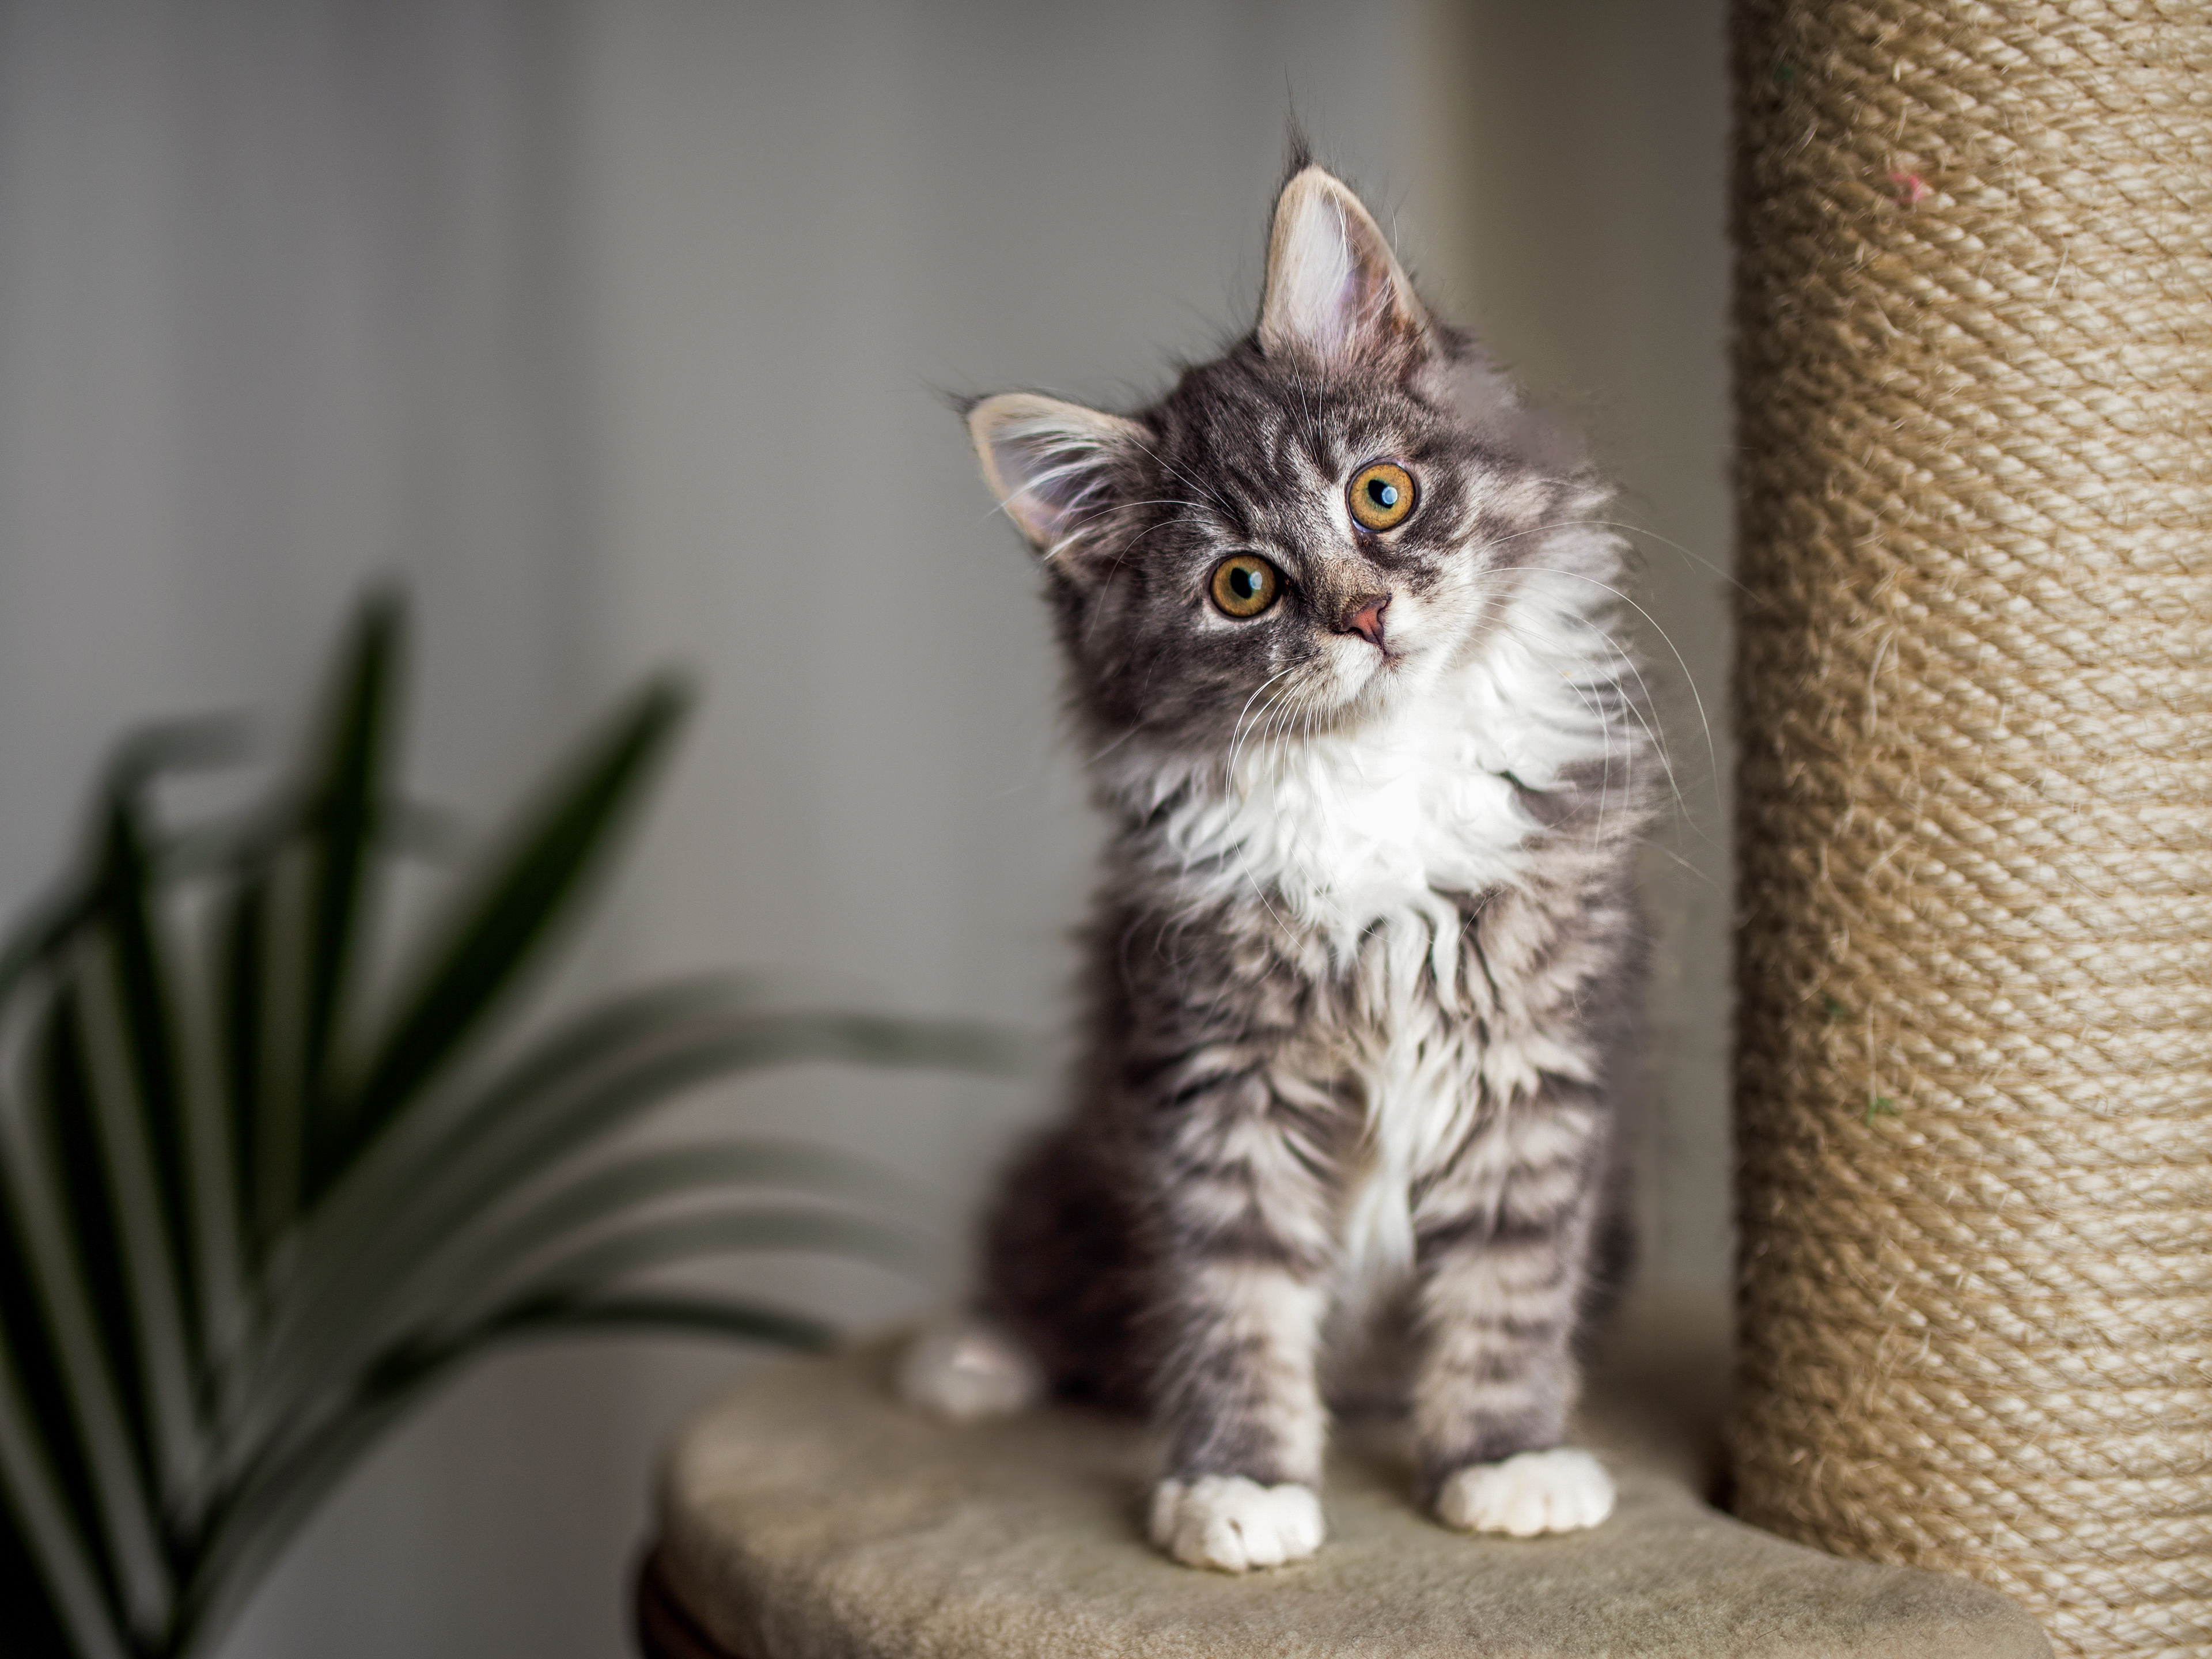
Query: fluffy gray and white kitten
[[1363, 970]]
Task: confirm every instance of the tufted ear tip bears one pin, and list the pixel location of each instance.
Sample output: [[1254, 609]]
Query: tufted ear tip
[[1334, 290]]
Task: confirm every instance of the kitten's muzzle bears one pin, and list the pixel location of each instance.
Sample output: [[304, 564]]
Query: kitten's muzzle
[[1362, 615]]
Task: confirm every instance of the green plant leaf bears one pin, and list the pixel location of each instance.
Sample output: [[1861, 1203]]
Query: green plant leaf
[[39, 935], [220, 1214], [135, 761], [92, 1231], [96, 1350], [253, 1527], [572, 1211], [387, 1177], [512, 1132], [238, 1237], [599, 1264], [144, 1007], [586, 1267], [237, 935], [258, 1528], [347, 785], [535, 1115], [384, 1214], [35, 1630], [665, 1312], [498, 930], [505, 1239], [29, 1352]]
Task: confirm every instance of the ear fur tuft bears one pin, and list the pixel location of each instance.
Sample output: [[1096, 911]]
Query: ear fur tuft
[[1334, 290], [1049, 463]]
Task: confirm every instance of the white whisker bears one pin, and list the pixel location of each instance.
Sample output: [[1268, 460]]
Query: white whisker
[[1712, 754]]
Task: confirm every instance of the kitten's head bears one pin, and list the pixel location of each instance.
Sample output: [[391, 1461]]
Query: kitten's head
[[1306, 532]]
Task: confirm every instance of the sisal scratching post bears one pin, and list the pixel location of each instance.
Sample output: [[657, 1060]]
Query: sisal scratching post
[[1974, 1079]]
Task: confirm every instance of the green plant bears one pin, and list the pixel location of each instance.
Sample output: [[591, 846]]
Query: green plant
[[257, 1191]]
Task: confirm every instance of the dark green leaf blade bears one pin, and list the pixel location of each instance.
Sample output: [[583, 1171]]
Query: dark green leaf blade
[[342, 802], [589, 1268], [597, 1265], [258, 1520], [147, 1006], [34, 1621], [501, 928], [384, 1187], [506, 1239], [238, 941], [533, 1116], [31, 1353], [141, 755], [92, 1228], [662, 1311], [271, 1507]]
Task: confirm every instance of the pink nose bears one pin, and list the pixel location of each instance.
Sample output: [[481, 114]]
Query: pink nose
[[1363, 617]]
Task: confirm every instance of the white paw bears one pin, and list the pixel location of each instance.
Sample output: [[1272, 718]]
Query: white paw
[[967, 1372], [1562, 1489], [1230, 1523]]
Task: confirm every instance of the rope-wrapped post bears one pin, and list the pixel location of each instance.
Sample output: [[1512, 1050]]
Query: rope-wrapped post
[[1974, 1071]]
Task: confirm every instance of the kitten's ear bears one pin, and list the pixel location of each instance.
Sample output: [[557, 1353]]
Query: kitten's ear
[[1048, 463], [1334, 290]]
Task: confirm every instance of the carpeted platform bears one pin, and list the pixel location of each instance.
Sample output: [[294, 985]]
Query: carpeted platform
[[812, 1516]]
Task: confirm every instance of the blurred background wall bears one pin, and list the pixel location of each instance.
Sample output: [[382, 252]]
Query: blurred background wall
[[621, 329]]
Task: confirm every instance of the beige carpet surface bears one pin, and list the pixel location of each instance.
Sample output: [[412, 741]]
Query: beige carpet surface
[[812, 1516]]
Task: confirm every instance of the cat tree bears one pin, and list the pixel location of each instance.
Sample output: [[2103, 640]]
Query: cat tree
[[1974, 384], [1975, 1310]]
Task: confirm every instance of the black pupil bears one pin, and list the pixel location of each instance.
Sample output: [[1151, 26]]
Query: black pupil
[[1381, 494], [1244, 581]]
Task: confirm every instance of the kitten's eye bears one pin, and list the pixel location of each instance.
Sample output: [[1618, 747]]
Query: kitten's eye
[[1380, 495], [1244, 585]]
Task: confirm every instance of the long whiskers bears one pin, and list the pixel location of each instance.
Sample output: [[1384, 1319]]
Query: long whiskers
[[1712, 754], [1595, 707], [1635, 708], [1689, 680], [1237, 732]]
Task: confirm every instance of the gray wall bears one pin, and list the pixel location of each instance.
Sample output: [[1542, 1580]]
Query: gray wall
[[623, 328]]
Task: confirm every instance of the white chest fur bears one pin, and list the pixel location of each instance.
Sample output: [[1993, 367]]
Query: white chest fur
[[1372, 824], [1353, 830], [1366, 840], [1379, 831]]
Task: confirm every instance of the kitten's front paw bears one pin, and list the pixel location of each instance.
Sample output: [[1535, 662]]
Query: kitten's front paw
[[1229, 1523], [1562, 1489], [968, 1371]]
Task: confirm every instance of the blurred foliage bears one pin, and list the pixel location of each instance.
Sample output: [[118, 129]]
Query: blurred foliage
[[258, 1193]]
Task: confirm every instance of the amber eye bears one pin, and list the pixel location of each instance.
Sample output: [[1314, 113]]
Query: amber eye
[[1244, 585], [1380, 495]]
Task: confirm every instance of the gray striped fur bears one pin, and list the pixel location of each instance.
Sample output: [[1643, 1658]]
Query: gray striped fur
[[1363, 973]]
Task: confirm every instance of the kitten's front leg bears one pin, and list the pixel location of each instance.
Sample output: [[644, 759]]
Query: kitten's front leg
[[1243, 1415], [1244, 1240], [1501, 1277]]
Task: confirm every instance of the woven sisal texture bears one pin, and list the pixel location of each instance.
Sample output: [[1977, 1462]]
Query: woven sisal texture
[[1974, 1083]]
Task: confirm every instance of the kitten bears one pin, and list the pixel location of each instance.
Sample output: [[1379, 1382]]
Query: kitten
[[1364, 968]]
